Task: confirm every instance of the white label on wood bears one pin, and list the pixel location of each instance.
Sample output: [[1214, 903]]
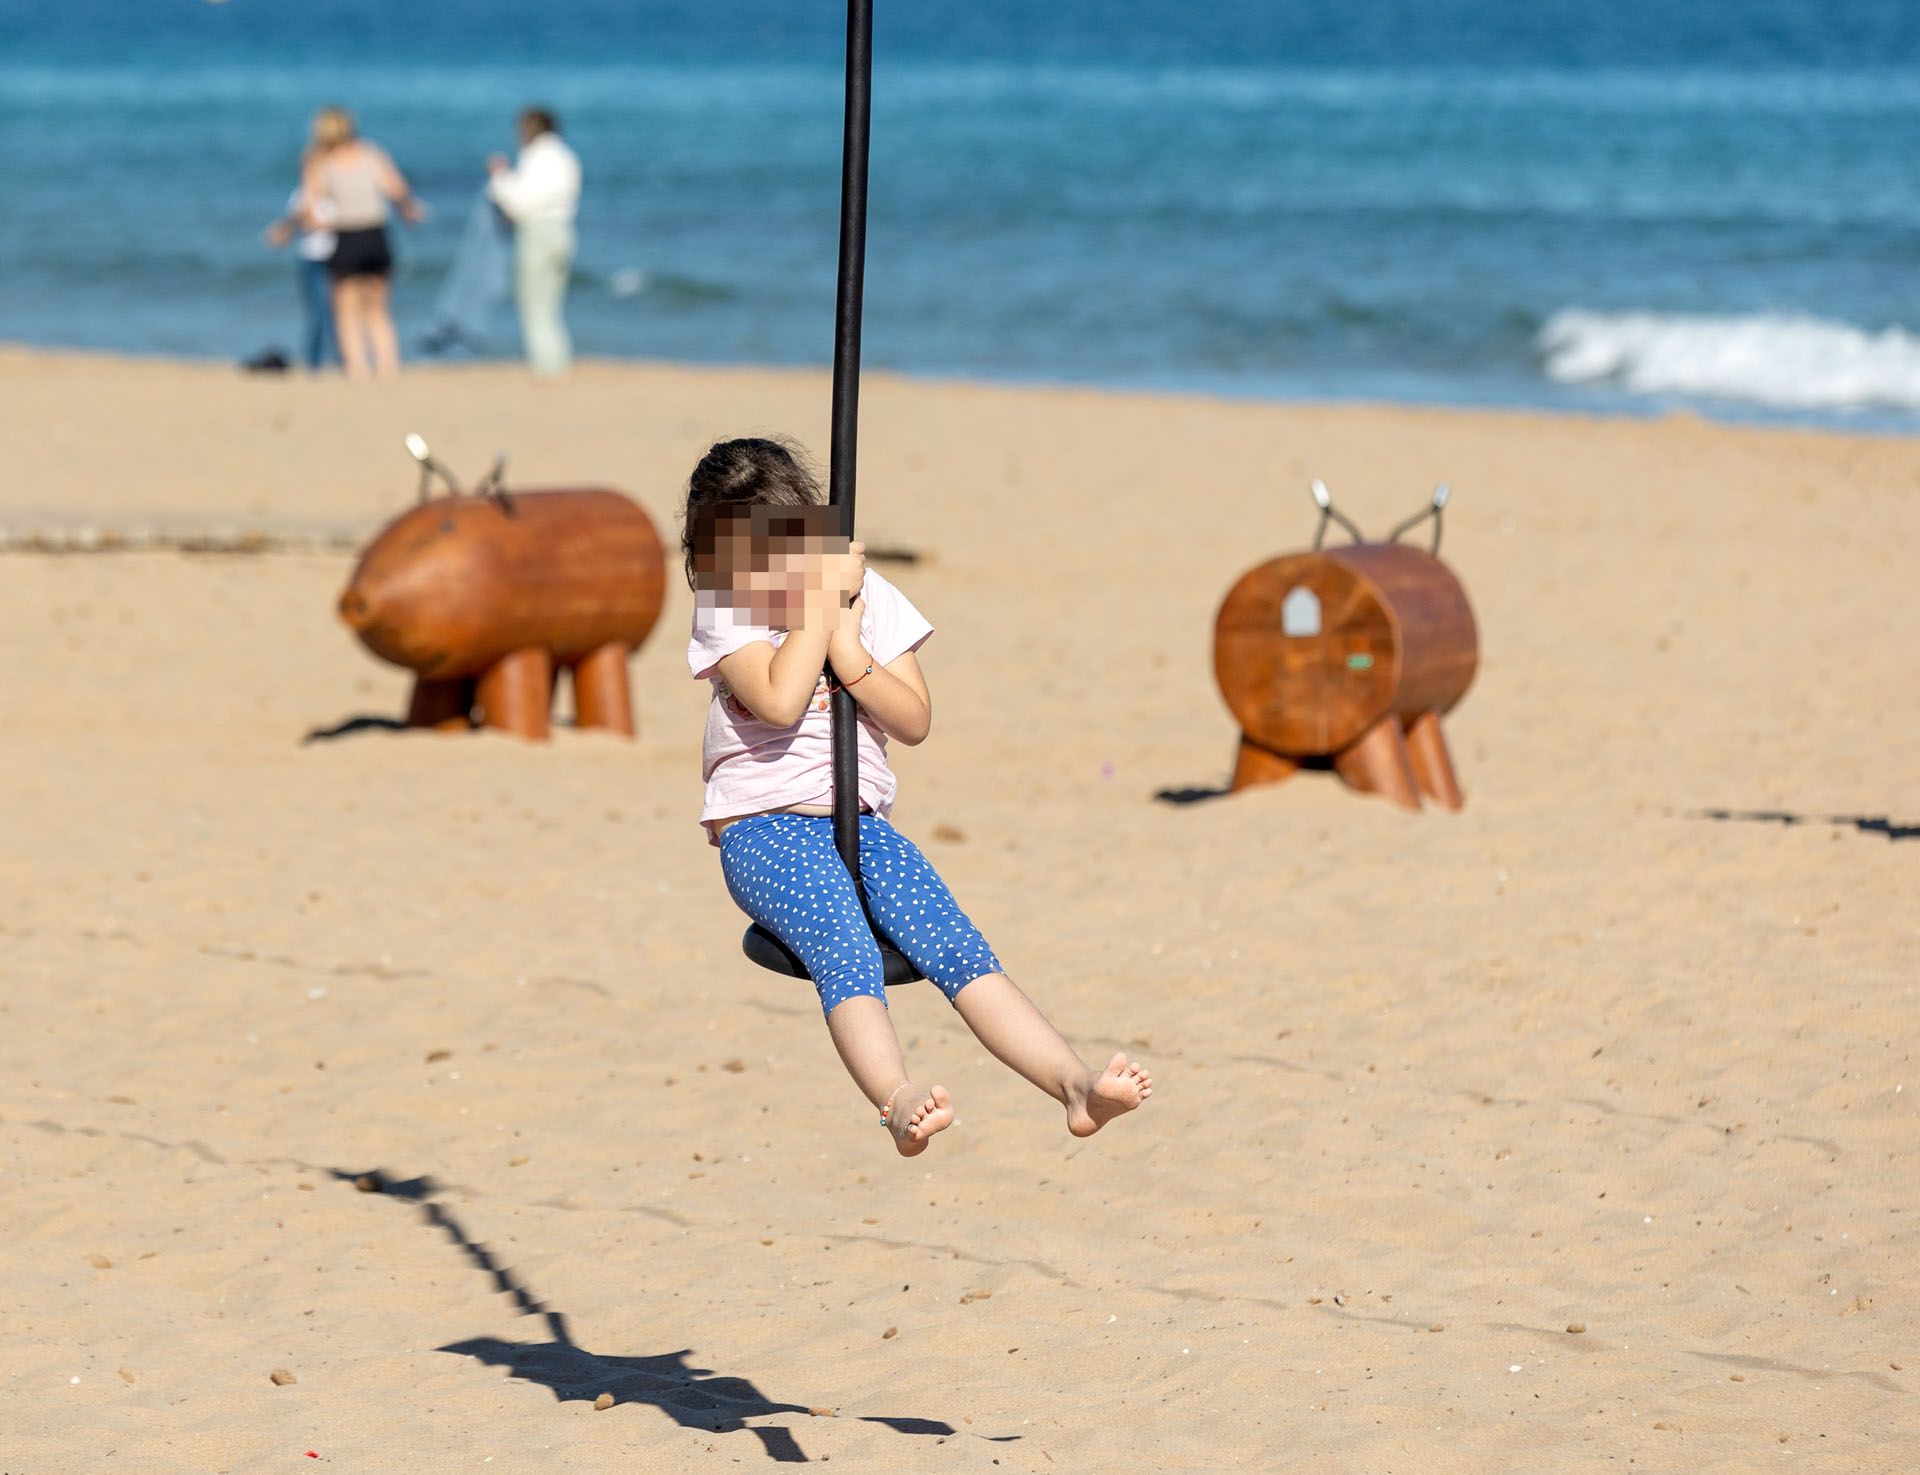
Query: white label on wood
[[1300, 612]]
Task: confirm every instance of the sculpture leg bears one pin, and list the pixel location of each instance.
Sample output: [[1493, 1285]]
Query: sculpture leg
[[1432, 766], [516, 694], [1376, 762], [601, 697], [445, 706], [1260, 765]]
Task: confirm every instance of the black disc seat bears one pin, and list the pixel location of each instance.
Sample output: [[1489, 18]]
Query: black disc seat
[[762, 947]]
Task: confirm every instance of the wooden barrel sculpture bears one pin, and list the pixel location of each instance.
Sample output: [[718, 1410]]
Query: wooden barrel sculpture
[[1351, 654], [485, 598]]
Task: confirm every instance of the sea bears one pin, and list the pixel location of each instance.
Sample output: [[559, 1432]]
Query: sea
[[1608, 206]]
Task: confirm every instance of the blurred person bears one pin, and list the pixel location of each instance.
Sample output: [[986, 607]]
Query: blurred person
[[351, 180], [320, 346], [540, 194]]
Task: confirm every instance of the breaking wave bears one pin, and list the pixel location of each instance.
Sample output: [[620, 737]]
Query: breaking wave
[[1801, 363]]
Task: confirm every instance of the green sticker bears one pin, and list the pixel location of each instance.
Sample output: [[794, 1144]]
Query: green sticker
[[1360, 663]]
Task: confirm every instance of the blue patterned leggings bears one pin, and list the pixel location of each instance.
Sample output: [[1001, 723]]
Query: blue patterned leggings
[[783, 872]]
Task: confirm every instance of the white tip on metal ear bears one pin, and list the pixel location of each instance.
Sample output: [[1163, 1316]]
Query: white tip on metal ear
[[417, 446], [1440, 495], [1321, 494]]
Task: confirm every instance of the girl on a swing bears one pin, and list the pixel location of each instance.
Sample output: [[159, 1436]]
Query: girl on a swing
[[777, 603]]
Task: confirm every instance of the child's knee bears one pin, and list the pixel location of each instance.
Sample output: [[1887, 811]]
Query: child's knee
[[960, 964], [836, 986]]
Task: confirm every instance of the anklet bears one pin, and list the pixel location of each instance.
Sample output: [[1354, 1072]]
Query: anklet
[[886, 1112]]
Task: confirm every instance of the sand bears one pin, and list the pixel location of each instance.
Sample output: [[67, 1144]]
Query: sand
[[1574, 1131]]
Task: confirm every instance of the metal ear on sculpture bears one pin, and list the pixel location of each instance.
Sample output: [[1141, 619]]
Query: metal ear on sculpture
[[429, 468], [1434, 508], [493, 485], [1328, 512]]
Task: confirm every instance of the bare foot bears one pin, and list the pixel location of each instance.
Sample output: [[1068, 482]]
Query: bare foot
[[917, 1117], [1100, 1098]]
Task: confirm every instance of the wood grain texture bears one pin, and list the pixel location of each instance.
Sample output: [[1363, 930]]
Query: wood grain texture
[[516, 694], [1378, 763], [453, 585]]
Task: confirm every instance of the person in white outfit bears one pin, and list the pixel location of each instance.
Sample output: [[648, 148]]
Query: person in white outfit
[[540, 194]]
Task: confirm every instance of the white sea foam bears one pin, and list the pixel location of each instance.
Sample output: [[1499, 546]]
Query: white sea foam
[[1788, 362]]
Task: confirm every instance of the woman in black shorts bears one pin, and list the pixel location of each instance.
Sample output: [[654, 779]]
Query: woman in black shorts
[[359, 183]]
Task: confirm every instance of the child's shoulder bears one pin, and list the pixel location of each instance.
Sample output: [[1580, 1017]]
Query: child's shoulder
[[878, 587], [719, 629]]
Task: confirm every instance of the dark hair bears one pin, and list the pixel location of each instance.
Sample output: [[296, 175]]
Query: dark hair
[[540, 120], [735, 476]]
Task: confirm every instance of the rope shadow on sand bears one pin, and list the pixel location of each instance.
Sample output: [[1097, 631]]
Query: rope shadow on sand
[[693, 1397]]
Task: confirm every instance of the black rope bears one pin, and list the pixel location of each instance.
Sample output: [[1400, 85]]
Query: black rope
[[846, 390]]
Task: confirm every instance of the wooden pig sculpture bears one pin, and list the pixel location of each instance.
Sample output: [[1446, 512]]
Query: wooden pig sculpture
[[1351, 654], [485, 597]]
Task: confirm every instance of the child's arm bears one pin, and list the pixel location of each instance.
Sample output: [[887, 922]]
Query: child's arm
[[776, 683], [895, 695]]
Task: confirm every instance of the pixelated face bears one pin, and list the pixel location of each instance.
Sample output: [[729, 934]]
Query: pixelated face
[[763, 562]]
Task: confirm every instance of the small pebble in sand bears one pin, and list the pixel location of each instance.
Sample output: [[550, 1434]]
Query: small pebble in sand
[[281, 1376], [822, 1413], [1674, 1428], [100, 1262], [434, 1057], [519, 1162], [1339, 1298], [1576, 1327], [971, 1296], [952, 834], [126, 1375], [1513, 1367], [736, 1066], [1737, 1377], [766, 1242], [604, 1401], [1438, 1326], [367, 1183], [890, 1333]]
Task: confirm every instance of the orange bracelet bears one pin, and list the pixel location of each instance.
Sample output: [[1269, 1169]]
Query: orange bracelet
[[843, 686]]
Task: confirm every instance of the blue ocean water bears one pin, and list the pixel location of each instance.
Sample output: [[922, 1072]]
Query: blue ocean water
[[1598, 204]]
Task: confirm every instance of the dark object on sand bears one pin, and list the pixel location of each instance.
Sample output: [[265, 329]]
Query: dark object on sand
[[1350, 654], [484, 597], [267, 361]]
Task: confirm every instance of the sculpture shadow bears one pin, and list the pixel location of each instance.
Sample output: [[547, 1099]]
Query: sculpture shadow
[[349, 726], [693, 1397], [368, 722], [1192, 794], [1196, 794], [1866, 824]]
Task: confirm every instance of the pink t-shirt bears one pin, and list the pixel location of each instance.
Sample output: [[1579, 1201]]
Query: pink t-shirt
[[751, 766]]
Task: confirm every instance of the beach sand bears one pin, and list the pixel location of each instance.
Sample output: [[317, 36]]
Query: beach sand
[[1574, 1131]]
